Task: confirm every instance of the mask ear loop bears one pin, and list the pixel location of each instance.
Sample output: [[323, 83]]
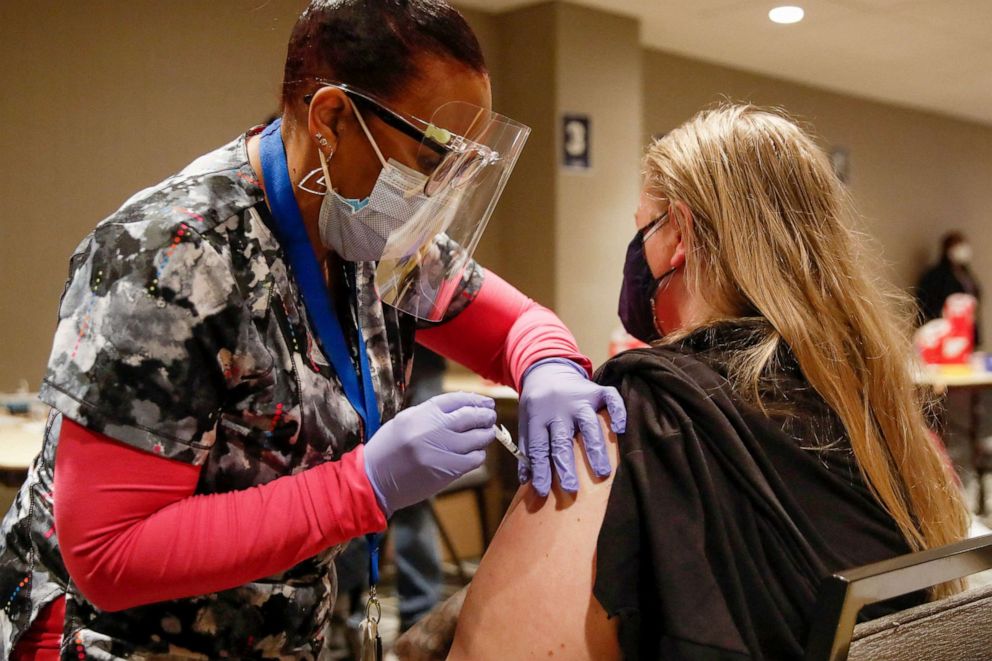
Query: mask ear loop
[[663, 280], [327, 172], [368, 134], [413, 189]]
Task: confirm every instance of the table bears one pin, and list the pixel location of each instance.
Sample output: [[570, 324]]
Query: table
[[943, 379], [467, 382], [20, 442]]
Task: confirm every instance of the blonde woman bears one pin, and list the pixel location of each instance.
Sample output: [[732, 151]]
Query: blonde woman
[[774, 434]]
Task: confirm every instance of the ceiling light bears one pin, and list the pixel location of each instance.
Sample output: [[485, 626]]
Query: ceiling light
[[786, 14]]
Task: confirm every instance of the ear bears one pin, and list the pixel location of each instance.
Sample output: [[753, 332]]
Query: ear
[[682, 221], [328, 107]]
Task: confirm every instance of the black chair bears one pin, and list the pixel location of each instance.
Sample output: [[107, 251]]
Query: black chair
[[957, 628]]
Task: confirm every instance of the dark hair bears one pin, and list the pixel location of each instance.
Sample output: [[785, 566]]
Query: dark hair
[[950, 240], [370, 44]]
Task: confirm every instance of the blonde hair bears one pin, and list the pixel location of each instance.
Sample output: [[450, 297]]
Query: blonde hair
[[769, 236]]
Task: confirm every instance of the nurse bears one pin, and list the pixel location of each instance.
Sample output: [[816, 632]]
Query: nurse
[[233, 347]]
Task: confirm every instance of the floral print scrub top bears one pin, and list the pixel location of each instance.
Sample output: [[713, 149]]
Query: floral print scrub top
[[181, 332]]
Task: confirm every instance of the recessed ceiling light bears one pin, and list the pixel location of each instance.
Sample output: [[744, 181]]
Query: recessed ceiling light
[[786, 14]]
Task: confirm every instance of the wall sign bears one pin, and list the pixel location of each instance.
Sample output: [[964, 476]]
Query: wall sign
[[575, 141]]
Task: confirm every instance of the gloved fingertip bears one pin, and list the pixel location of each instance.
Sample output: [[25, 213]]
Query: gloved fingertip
[[617, 410], [542, 485], [523, 474], [603, 469], [477, 457]]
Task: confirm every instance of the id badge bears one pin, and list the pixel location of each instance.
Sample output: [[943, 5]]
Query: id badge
[[371, 641]]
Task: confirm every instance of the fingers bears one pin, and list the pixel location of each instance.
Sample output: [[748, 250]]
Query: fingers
[[452, 446], [593, 441], [615, 407], [476, 458], [471, 417], [538, 451], [452, 401], [467, 462], [562, 432], [475, 440]]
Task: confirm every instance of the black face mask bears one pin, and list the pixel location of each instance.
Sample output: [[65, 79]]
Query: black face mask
[[639, 288]]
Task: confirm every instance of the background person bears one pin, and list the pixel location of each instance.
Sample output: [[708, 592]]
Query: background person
[[950, 275]]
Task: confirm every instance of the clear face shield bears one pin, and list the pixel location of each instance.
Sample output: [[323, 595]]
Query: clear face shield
[[467, 154]]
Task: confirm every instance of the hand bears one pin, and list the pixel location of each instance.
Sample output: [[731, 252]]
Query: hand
[[555, 400], [427, 447]]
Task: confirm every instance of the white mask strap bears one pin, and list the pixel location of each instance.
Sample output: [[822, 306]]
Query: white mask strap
[[327, 171], [368, 134]]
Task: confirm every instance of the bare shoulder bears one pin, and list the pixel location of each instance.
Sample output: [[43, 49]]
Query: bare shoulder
[[532, 596]]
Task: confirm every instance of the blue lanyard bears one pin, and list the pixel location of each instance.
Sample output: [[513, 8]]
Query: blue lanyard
[[316, 297]]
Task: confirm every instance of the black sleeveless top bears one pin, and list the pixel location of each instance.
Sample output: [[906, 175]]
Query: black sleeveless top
[[723, 519]]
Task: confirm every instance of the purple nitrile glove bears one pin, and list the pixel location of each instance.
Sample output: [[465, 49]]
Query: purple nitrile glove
[[427, 447], [557, 398]]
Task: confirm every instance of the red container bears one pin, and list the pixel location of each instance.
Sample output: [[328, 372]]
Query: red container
[[949, 340]]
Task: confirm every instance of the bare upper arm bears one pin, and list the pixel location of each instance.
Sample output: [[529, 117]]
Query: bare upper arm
[[532, 596]]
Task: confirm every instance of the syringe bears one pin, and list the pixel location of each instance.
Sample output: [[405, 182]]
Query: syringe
[[503, 436]]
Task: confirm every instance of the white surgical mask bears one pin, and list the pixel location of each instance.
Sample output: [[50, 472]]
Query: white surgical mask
[[357, 230], [960, 254]]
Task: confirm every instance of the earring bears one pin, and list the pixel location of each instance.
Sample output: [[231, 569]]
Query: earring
[[316, 181]]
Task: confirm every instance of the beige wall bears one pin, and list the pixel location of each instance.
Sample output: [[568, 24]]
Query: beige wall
[[486, 27], [913, 175], [599, 75], [523, 225], [102, 98]]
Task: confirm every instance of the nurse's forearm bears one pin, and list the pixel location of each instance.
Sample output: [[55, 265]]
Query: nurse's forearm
[[502, 333], [131, 531]]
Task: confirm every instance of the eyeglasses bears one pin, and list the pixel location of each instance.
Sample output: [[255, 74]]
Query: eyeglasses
[[653, 226], [461, 158], [402, 122]]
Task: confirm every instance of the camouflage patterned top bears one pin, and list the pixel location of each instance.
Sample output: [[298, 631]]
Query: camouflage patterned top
[[182, 332]]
